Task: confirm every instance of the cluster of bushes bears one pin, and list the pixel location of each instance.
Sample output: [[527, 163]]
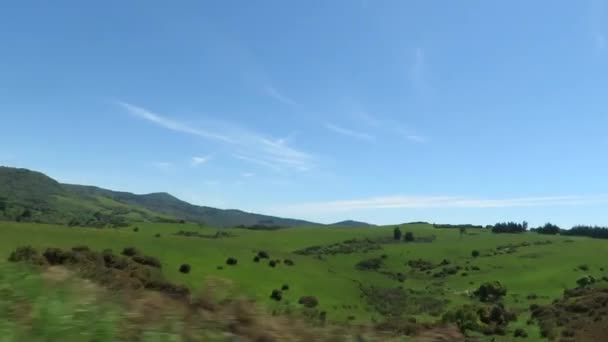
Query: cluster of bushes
[[510, 227], [548, 228], [372, 264], [457, 226], [130, 270], [447, 271], [487, 319], [490, 292], [421, 265], [217, 235], [574, 315], [309, 301], [100, 220], [490, 318], [588, 231], [344, 247]]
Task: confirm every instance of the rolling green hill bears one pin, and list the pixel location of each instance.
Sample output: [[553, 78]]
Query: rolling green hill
[[29, 196]]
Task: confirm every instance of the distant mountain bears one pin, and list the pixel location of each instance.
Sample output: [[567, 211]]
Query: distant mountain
[[352, 224], [31, 196]]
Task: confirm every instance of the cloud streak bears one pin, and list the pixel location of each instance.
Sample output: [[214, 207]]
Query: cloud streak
[[349, 133], [418, 70], [278, 96], [436, 202], [171, 124], [251, 146], [197, 161], [392, 126]]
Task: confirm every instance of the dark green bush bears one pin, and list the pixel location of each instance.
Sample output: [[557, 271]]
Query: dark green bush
[[26, 254], [130, 251], [147, 260], [309, 301], [276, 295], [184, 268], [490, 291]]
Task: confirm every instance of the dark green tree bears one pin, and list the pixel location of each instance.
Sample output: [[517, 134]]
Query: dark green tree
[[397, 233], [409, 237]]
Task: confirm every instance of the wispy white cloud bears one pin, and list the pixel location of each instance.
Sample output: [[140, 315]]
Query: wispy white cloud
[[418, 70], [391, 126], [278, 96], [256, 161], [248, 174], [197, 161], [434, 202], [348, 132], [170, 123], [249, 145]]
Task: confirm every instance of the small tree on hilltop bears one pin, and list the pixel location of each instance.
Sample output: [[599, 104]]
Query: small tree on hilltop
[[397, 233], [409, 237]]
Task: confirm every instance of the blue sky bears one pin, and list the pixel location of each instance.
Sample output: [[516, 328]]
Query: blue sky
[[384, 111]]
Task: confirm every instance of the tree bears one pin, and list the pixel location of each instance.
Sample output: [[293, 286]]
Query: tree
[[463, 231], [409, 237], [397, 233], [475, 253], [548, 228]]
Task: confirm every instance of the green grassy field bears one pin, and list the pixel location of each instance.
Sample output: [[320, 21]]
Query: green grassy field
[[545, 270]]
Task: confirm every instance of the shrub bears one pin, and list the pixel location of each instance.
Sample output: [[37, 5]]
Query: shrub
[[276, 295], [147, 260], [490, 291], [81, 248], [272, 263], [130, 251], [465, 318], [157, 235], [583, 267], [184, 268], [409, 237], [370, 264], [168, 288], [288, 262], [475, 253], [26, 254], [220, 268], [263, 255], [56, 256], [231, 261], [256, 259], [136, 229], [309, 301], [585, 281], [285, 287]]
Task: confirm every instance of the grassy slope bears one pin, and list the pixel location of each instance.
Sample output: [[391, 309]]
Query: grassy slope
[[49, 201], [545, 270]]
